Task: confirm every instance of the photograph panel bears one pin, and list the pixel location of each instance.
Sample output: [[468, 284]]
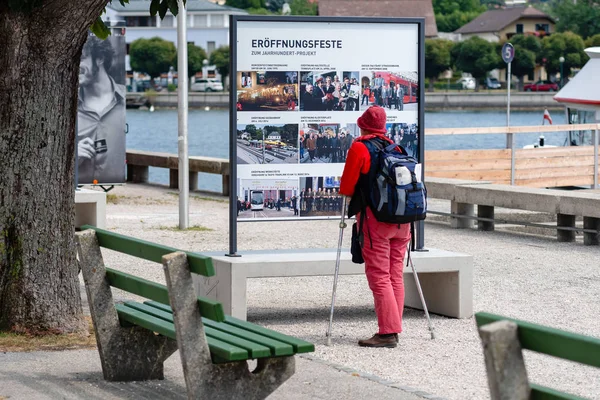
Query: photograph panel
[[329, 90], [326, 143], [395, 90], [320, 197], [267, 91], [405, 135], [267, 144], [267, 198]]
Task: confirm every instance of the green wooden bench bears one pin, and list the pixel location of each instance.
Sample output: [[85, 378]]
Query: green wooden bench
[[503, 340], [134, 338]]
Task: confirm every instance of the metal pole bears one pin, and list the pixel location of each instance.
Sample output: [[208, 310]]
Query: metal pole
[[182, 105], [596, 159], [337, 268], [509, 138]]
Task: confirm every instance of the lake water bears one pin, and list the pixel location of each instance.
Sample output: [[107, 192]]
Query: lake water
[[208, 134]]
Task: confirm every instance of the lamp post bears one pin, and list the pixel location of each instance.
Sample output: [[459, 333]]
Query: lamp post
[[562, 61]]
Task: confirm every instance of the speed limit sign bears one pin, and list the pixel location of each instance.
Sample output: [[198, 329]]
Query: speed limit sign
[[508, 52]]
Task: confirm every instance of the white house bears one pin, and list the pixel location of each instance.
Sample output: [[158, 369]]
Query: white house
[[274, 136], [208, 23]]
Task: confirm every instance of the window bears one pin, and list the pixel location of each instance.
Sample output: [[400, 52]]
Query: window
[[519, 28], [217, 20], [140, 21], [542, 27], [200, 21], [210, 47], [168, 21]]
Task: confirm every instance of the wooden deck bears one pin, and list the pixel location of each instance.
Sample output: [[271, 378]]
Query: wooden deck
[[541, 167]]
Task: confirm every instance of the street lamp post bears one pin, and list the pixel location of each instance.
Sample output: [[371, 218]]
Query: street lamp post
[[562, 61]]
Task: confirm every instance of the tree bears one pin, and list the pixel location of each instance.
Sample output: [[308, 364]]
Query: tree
[[452, 14], [152, 56], [303, 7], [527, 49], [567, 45], [41, 49], [196, 56], [437, 58], [593, 41], [245, 4], [476, 56], [220, 59], [581, 17]]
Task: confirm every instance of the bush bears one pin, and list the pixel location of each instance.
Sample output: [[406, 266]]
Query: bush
[[171, 87]]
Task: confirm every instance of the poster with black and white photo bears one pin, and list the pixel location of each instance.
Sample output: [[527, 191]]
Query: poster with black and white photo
[[101, 110], [301, 83]]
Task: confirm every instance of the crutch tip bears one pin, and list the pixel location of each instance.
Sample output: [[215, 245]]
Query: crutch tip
[[328, 341]]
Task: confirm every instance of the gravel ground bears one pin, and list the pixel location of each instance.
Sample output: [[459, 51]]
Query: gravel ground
[[521, 276]]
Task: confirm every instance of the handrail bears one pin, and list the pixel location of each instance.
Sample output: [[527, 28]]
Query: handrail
[[512, 129]]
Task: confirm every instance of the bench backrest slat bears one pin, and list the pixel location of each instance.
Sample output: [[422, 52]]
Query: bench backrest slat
[[545, 393], [157, 292], [198, 263], [550, 341]]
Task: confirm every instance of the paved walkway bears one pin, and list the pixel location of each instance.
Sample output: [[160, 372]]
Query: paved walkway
[[77, 374]]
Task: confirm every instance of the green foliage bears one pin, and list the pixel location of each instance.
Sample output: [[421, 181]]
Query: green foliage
[[196, 55], [152, 56], [527, 49], [275, 5], [475, 55], [99, 29], [581, 17], [452, 14], [568, 45], [171, 87], [259, 11], [593, 41], [453, 21], [437, 57], [450, 6], [220, 59], [245, 4], [303, 7]]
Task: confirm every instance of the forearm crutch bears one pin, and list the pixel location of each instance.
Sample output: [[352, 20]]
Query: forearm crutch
[[337, 268], [420, 294]]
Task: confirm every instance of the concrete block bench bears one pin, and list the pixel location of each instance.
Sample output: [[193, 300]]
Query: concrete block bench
[[446, 277], [134, 338], [565, 204]]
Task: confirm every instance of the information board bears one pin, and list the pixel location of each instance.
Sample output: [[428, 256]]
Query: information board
[[298, 85]]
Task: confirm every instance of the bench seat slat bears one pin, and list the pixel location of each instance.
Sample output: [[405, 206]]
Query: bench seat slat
[[550, 341], [157, 292], [222, 350], [544, 393], [300, 346], [255, 350], [198, 263], [278, 348]]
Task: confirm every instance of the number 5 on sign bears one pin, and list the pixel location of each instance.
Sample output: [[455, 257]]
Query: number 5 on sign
[[508, 52]]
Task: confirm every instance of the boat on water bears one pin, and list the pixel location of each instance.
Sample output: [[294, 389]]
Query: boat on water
[[581, 98]]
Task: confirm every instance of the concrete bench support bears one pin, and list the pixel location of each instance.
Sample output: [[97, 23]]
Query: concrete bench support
[[565, 220], [446, 277], [462, 209], [485, 212], [90, 208], [591, 223], [137, 173], [174, 179]]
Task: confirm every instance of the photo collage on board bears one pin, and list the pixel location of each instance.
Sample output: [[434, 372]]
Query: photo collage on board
[[310, 131]]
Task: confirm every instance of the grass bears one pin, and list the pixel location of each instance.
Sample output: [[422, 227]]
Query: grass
[[12, 342], [193, 228]]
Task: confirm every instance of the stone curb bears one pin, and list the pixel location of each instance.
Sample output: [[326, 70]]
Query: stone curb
[[373, 378]]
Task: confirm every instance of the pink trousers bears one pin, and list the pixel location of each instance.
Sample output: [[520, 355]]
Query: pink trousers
[[384, 267]]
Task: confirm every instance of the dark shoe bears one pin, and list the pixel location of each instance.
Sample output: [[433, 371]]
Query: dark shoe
[[379, 341]]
